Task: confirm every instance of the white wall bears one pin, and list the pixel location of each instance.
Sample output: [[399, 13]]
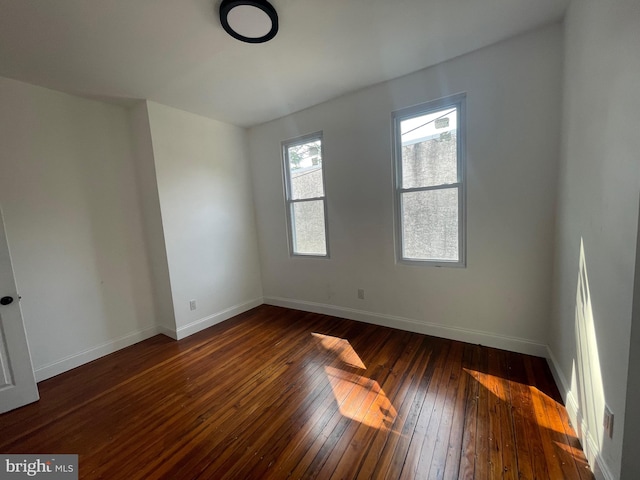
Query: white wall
[[116, 219], [502, 297], [73, 222], [207, 211], [630, 459], [598, 207], [152, 217]]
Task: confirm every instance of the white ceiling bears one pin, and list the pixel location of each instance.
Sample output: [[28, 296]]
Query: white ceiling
[[175, 52]]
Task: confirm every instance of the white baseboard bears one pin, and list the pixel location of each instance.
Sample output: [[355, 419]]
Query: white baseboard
[[211, 320], [453, 333], [591, 450], [169, 332], [558, 376], [86, 356], [600, 469]]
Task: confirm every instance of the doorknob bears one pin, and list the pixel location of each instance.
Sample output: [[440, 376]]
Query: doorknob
[[6, 300]]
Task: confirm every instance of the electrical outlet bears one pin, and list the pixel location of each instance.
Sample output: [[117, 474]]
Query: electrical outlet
[[361, 293], [607, 422], [192, 305]]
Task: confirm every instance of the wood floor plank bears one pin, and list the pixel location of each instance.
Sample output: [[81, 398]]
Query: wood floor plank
[[407, 451], [496, 469], [441, 430], [240, 421], [460, 412], [508, 440], [528, 443], [483, 460], [392, 456], [239, 395], [405, 392], [341, 363], [568, 457], [554, 455], [381, 414], [258, 430], [276, 393], [584, 470], [356, 402], [466, 470]]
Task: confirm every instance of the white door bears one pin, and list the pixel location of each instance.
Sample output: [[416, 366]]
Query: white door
[[17, 382]]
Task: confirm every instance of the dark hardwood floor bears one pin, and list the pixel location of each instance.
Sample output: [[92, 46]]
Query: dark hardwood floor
[[276, 393]]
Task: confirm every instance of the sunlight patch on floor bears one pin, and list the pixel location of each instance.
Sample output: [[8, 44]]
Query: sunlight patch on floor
[[538, 397], [358, 397], [341, 348], [361, 399]]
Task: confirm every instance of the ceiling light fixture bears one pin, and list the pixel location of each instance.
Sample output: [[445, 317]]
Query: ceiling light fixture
[[252, 21]]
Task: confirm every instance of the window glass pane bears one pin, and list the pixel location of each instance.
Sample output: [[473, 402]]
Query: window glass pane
[[305, 167], [308, 228], [429, 149], [430, 225]]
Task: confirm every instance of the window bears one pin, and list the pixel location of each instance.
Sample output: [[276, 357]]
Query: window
[[429, 182], [305, 197]]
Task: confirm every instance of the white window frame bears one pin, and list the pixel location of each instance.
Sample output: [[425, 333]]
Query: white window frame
[[459, 102], [290, 202]]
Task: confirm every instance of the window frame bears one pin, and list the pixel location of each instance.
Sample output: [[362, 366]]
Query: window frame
[[459, 102], [290, 202]]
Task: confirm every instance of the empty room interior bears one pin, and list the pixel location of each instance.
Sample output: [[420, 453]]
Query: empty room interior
[[336, 239]]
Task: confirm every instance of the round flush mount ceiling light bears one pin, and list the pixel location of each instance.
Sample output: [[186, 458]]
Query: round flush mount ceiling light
[[252, 21]]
